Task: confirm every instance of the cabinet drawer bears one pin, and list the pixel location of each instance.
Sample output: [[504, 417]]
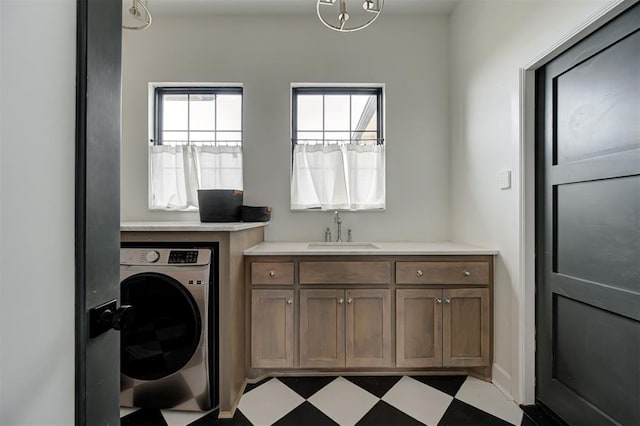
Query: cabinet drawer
[[345, 272], [442, 273], [272, 273]]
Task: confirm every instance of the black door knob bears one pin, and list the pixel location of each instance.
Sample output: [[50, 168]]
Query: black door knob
[[122, 318], [105, 317]]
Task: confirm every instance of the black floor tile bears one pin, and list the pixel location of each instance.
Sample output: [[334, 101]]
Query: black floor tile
[[305, 414], [462, 414], [540, 416], [526, 421], [377, 385], [383, 414], [306, 386], [447, 384], [251, 386], [211, 419], [144, 417]]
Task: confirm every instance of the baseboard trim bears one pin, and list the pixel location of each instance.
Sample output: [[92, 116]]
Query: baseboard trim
[[502, 380], [540, 414], [234, 406]]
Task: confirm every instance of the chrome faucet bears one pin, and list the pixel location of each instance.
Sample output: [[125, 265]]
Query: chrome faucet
[[338, 221]]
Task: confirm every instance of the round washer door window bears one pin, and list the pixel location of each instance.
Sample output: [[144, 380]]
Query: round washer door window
[[166, 329]]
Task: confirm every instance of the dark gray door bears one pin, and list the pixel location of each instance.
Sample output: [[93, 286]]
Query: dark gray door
[[588, 226], [97, 207]]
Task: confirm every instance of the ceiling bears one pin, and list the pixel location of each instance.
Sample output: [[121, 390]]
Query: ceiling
[[286, 7]]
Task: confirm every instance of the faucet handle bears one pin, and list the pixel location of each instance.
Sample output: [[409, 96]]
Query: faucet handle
[[349, 236]]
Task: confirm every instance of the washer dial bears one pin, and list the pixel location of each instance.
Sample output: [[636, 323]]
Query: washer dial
[[152, 256]]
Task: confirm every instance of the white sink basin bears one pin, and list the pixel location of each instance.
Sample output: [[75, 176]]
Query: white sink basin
[[342, 246]]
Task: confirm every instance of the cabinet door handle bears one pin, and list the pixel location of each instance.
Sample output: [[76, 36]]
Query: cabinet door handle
[[272, 274], [466, 273], [289, 301], [349, 300], [438, 301], [340, 301], [447, 300], [419, 273]]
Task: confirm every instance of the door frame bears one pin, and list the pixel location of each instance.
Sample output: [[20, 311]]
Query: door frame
[[81, 326], [89, 36], [525, 391]]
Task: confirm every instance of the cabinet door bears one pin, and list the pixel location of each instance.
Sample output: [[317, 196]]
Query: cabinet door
[[368, 328], [419, 328], [466, 327], [272, 328], [322, 328]]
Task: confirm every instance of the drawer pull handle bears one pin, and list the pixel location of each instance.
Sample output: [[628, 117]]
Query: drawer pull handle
[[466, 273], [340, 301], [447, 300], [438, 301], [349, 300], [419, 273], [272, 274], [289, 302]]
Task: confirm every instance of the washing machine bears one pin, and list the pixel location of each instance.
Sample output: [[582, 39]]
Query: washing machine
[[166, 354]]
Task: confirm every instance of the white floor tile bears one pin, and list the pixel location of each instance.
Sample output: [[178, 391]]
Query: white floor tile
[[343, 401], [182, 418], [268, 402], [125, 411], [487, 397], [418, 400]]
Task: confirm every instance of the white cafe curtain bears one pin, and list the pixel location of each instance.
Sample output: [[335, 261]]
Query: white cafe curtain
[[338, 176], [177, 172]]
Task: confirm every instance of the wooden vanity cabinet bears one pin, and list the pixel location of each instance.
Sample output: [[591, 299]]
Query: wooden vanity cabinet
[[272, 328], [466, 327], [368, 328], [322, 333], [442, 328], [446, 322], [345, 328], [273, 320], [419, 328], [374, 313]]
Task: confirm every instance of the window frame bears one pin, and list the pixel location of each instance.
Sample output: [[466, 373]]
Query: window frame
[[377, 89], [336, 90], [160, 91], [153, 109]]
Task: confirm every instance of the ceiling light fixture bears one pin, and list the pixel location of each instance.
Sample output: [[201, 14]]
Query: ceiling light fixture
[[373, 7], [139, 11]]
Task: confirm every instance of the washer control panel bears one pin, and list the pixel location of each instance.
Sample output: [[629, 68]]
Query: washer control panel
[[183, 256], [160, 257]]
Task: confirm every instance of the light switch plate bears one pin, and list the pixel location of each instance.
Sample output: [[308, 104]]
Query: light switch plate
[[504, 179]]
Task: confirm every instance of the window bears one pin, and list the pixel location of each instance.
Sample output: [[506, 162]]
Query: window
[[197, 144], [338, 148]]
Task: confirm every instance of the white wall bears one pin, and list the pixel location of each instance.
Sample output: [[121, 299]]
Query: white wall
[[266, 54], [490, 41], [37, 110]]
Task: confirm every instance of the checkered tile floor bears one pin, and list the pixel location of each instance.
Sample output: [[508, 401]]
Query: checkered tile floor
[[355, 400]]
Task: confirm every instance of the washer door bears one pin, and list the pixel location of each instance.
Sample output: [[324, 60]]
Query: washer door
[[166, 330]]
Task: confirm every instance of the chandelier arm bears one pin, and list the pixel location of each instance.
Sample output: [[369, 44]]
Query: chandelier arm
[[340, 28], [146, 24]]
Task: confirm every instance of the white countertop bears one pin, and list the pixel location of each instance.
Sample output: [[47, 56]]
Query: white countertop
[[190, 226], [356, 248]]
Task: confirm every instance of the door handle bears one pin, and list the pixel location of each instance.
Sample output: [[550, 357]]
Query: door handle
[[108, 316]]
